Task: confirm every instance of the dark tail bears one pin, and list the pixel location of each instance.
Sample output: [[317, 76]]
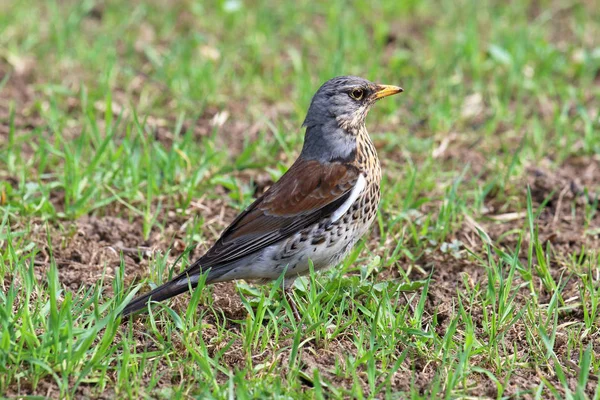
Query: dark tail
[[180, 284], [166, 291]]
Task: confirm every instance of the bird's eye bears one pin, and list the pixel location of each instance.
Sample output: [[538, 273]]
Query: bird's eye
[[357, 94]]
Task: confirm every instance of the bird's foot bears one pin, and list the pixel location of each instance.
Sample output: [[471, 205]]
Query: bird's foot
[[287, 292]]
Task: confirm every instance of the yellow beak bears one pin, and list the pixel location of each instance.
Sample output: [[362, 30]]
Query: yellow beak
[[386, 90]]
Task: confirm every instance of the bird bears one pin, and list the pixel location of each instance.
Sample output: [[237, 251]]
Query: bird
[[316, 212]]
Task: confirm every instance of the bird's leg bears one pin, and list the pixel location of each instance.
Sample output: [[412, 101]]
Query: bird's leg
[[288, 295]]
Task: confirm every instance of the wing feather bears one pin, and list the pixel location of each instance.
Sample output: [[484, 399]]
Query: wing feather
[[308, 192]]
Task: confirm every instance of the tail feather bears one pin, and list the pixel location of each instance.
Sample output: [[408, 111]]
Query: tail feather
[[180, 284], [163, 292]]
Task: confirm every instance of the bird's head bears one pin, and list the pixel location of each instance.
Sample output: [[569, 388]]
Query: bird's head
[[345, 100], [337, 113]]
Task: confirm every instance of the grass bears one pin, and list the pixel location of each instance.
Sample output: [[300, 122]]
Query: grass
[[129, 131]]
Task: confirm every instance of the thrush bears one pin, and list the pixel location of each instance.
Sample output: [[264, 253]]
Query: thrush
[[316, 212]]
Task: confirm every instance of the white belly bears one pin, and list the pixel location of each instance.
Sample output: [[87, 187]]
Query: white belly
[[292, 255]]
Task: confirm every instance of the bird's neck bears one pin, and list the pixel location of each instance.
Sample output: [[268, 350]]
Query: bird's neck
[[329, 143], [366, 156]]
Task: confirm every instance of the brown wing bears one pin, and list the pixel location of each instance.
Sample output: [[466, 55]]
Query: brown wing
[[308, 192]]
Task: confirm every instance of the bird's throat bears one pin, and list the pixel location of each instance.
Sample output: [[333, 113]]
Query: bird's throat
[[329, 144]]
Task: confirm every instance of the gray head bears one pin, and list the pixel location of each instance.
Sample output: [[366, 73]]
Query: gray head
[[337, 114]]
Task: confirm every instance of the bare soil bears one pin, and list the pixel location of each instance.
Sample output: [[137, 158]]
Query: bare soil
[[90, 249]]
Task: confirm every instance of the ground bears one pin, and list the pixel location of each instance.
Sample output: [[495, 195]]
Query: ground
[[132, 133]]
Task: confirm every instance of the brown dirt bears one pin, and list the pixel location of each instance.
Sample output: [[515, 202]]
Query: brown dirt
[[18, 97], [90, 247], [566, 195]]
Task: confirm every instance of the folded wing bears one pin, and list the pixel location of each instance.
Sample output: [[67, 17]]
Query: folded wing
[[307, 193]]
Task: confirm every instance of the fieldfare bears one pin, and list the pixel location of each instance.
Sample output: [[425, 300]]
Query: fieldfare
[[317, 211]]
